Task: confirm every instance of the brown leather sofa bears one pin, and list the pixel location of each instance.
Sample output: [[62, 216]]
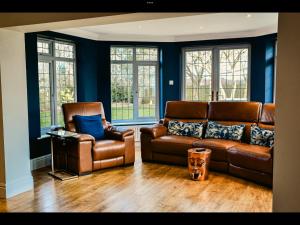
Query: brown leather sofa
[[252, 162], [85, 154]]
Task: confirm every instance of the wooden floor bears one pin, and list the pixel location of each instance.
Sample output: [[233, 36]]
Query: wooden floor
[[144, 187]]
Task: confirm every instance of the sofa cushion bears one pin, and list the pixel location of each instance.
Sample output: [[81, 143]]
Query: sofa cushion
[[185, 129], [219, 147], [262, 137], [219, 131], [173, 144], [252, 157], [106, 149]]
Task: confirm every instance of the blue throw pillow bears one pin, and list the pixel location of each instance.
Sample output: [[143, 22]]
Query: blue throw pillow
[[91, 125], [262, 137], [191, 129], [219, 131]]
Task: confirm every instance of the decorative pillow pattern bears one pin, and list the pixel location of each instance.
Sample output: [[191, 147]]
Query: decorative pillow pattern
[[219, 131], [262, 137], [185, 128]]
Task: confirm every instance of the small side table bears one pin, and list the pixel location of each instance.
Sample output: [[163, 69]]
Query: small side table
[[61, 174], [198, 162]]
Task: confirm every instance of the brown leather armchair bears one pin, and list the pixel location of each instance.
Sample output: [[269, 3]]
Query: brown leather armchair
[[87, 154]]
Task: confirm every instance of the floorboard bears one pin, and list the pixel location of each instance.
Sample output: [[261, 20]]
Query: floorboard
[[144, 187]]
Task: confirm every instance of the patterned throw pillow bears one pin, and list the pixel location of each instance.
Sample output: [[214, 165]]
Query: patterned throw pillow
[[262, 137], [219, 131], [185, 128]]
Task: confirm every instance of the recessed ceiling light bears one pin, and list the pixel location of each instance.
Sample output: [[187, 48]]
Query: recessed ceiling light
[[248, 15], [201, 27]]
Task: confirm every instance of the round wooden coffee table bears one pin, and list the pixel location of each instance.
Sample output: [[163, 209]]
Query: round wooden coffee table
[[198, 162]]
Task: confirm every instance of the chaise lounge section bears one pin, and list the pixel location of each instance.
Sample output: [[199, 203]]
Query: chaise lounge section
[[241, 159]]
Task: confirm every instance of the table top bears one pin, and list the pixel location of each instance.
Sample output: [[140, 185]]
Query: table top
[[199, 150], [62, 134]]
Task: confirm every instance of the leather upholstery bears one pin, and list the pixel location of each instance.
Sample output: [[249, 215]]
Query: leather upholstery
[[238, 158], [219, 147], [83, 109], [117, 133], [106, 149], [268, 114], [253, 175], [186, 110], [234, 111], [87, 155], [253, 157], [173, 145], [155, 131]]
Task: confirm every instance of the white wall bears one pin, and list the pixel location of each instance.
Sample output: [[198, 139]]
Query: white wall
[[14, 134], [286, 184]]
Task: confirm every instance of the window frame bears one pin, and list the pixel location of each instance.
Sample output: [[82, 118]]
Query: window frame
[[215, 66], [136, 119], [52, 59]]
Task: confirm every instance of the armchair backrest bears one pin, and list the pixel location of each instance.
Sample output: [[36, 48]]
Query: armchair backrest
[[83, 109]]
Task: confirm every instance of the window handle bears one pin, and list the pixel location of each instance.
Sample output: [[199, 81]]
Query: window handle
[[212, 96], [217, 95]]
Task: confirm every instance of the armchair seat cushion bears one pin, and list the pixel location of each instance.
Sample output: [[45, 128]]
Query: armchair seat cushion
[[252, 157], [218, 147], [107, 149], [173, 144]]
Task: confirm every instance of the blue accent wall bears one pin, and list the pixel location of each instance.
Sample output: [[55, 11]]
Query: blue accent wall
[[93, 73]]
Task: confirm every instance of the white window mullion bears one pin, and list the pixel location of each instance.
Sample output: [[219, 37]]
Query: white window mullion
[[53, 52]]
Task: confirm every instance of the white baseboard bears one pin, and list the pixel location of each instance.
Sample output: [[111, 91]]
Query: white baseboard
[[40, 162], [16, 187]]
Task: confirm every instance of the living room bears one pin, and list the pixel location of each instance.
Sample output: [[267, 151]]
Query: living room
[[170, 88]]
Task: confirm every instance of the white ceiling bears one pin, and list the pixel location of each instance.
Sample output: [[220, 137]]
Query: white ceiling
[[202, 26]]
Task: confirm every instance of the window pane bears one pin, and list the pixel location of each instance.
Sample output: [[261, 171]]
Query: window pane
[[122, 91], [198, 75], [121, 53], [43, 47], [133, 84], [44, 94], [147, 92], [233, 74], [64, 50], [146, 54], [65, 86]]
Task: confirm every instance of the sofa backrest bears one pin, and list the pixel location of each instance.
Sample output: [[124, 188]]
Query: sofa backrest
[[235, 113], [267, 118], [83, 109], [186, 111]]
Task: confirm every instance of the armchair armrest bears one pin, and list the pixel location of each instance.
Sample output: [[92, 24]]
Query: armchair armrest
[[117, 133], [85, 137], [156, 131]]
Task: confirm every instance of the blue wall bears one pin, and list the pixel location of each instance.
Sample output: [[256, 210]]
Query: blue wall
[[93, 73]]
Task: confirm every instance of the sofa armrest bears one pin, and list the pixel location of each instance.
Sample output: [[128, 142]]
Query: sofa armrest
[[85, 137], [156, 131], [117, 133]]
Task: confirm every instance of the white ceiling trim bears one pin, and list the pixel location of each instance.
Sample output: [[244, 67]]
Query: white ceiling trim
[[147, 38], [227, 35]]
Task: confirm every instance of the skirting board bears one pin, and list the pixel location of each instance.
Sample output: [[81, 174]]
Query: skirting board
[[40, 162], [16, 187]]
